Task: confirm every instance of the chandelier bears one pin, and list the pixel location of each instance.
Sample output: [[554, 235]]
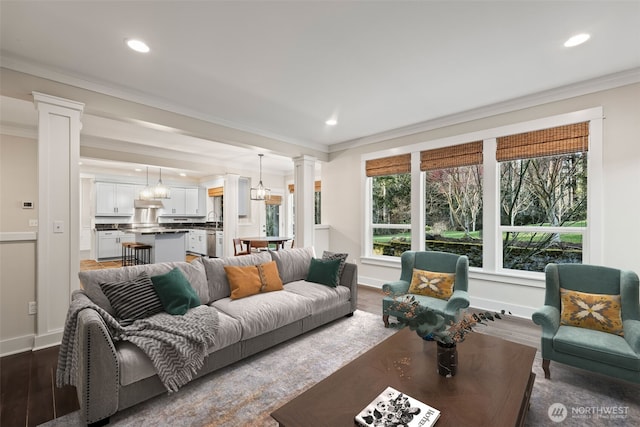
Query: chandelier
[[147, 192], [260, 192], [161, 191]]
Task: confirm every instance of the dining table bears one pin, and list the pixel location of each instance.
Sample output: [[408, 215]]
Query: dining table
[[278, 241]]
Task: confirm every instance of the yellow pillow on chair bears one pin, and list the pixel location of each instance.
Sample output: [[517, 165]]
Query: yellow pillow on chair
[[432, 284], [599, 312]]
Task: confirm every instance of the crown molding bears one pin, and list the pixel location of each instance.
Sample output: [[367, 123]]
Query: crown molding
[[585, 87]]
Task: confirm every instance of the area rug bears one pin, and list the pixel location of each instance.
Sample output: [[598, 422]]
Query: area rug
[[245, 393], [575, 397]]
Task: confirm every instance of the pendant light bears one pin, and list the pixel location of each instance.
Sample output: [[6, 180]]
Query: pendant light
[[147, 192], [260, 192], [161, 191]]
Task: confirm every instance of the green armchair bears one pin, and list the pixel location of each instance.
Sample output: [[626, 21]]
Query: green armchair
[[585, 347], [440, 262]]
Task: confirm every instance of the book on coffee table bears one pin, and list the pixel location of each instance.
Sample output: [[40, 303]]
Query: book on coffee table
[[392, 408]]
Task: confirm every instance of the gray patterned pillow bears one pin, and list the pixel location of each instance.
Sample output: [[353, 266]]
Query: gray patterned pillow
[[132, 299], [334, 255]]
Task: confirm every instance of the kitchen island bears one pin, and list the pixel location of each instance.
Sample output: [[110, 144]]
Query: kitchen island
[[167, 244]]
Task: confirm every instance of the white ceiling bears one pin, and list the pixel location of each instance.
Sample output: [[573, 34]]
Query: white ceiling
[[281, 69]]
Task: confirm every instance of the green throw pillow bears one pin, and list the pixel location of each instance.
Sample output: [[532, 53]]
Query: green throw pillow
[[175, 292], [324, 271]]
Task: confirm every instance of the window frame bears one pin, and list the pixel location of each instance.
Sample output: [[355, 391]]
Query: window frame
[[492, 246]]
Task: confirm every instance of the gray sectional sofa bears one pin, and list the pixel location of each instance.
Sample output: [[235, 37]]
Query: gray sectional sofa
[[112, 376]]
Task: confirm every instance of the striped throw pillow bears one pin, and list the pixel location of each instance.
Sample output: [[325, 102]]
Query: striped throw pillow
[[132, 299]]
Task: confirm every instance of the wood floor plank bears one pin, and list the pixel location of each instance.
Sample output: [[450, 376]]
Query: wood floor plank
[[40, 403], [14, 383]]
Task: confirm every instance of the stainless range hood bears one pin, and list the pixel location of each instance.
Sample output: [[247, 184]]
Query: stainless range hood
[[146, 204]]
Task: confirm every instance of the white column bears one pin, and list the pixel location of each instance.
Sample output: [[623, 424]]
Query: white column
[[230, 211], [303, 181], [58, 214]]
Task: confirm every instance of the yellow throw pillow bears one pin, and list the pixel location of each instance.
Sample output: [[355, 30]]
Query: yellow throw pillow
[[432, 284], [599, 312], [250, 280], [269, 277], [243, 281]]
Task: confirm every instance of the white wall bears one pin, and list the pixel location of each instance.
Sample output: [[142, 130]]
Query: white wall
[[342, 176]]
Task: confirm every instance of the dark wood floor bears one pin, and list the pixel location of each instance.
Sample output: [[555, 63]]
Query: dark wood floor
[[29, 396]]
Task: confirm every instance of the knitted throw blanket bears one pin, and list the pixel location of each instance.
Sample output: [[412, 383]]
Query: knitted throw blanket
[[176, 345]]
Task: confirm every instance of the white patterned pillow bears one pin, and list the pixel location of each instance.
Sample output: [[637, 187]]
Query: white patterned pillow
[[132, 299]]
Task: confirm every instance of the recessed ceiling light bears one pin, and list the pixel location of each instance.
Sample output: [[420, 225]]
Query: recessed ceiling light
[[138, 45], [576, 40], [183, 174], [332, 122]]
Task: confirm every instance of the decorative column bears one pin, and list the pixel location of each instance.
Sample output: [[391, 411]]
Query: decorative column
[[230, 211], [58, 214], [303, 181]]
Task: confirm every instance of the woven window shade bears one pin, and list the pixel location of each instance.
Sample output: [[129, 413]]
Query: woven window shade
[[389, 165], [273, 200], [451, 157], [566, 139], [215, 191], [317, 186]]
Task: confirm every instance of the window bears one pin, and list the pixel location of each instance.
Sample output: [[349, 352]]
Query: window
[[390, 226], [272, 205], [519, 197], [543, 196], [453, 200]]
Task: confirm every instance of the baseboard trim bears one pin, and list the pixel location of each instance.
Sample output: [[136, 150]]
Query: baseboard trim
[[47, 340], [16, 345]]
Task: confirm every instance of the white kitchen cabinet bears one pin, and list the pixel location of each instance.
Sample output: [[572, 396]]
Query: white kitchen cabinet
[[192, 202], [184, 202], [115, 199], [110, 243], [197, 242]]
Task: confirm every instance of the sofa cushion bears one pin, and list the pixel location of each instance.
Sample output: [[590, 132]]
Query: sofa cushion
[[322, 297], [599, 312], [596, 345], [216, 277], [265, 312], [324, 271], [132, 299], [91, 279], [432, 284], [293, 264], [136, 366], [175, 292]]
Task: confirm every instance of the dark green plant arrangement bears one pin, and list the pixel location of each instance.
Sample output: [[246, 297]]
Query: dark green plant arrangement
[[427, 323]]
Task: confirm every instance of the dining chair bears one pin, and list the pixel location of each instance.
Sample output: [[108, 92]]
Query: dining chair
[[239, 249], [258, 245]]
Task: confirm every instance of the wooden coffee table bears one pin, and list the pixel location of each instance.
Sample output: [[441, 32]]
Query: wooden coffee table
[[492, 386]]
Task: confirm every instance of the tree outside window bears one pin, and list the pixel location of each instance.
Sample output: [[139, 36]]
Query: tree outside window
[[390, 223], [543, 196]]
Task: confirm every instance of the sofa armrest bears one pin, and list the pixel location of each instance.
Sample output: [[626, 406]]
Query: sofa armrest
[[399, 287], [632, 334], [549, 318], [349, 279], [98, 374]]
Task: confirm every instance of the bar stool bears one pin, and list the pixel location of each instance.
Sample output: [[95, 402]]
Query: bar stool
[[134, 253]]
